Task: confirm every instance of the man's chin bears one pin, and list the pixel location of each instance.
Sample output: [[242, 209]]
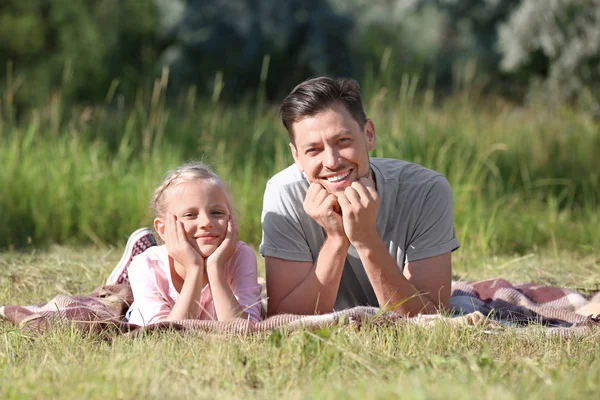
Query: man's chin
[[336, 189]]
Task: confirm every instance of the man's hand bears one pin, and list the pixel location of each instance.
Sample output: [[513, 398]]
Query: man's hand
[[179, 247], [360, 204], [225, 250], [323, 207]]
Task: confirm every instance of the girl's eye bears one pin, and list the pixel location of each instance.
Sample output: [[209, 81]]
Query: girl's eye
[[218, 213], [188, 214]]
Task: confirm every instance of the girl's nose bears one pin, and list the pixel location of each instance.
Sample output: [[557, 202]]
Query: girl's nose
[[204, 221]]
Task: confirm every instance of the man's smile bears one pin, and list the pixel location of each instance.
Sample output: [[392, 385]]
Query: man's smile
[[337, 177]]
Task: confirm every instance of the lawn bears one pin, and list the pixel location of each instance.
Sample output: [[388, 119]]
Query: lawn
[[75, 180], [371, 362]]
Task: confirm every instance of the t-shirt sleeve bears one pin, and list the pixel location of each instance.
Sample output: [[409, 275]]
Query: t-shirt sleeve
[[244, 281], [149, 305], [434, 233], [282, 234]]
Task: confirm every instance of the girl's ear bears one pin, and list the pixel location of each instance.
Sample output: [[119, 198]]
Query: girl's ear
[[159, 227]]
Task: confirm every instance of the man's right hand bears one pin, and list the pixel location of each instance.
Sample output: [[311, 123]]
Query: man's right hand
[[323, 207]]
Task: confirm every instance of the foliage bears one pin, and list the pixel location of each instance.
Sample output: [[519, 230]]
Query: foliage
[[557, 41], [448, 42], [79, 47], [471, 30], [238, 41], [243, 49]]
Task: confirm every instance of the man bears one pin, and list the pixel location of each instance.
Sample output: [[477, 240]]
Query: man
[[341, 229]]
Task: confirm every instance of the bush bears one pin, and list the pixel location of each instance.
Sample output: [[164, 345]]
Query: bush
[[443, 39], [232, 38], [558, 42], [78, 46]]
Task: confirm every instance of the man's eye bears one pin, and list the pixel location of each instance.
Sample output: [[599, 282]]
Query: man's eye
[[312, 151]]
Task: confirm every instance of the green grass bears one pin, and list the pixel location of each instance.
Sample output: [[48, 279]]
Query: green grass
[[522, 178], [526, 187], [373, 362]]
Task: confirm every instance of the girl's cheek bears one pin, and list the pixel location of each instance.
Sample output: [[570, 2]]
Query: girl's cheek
[[189, 230]]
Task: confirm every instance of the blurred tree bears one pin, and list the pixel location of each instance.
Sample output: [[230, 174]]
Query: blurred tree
[[83, 47], [470, 31], [232, 37], [428, 37], [77, 46], [557, 41]]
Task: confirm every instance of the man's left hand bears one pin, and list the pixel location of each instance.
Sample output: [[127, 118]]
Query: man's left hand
[[360, 204]]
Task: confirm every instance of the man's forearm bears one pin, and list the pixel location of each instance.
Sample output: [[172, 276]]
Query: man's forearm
[[391, 287], [316, 294]]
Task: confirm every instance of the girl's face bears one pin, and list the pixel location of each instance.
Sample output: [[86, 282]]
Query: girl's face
[[203, 209]]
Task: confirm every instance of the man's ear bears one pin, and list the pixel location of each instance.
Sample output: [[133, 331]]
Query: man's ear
[[159, 227], [294, 150], [370, 135]]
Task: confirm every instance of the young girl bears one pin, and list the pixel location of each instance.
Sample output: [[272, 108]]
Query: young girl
[[202, 271]]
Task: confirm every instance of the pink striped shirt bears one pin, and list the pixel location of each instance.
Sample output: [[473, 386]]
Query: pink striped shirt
[[154, 294]]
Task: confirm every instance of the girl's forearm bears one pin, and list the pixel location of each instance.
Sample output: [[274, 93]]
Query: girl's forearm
[[188, 303], [226, 305]]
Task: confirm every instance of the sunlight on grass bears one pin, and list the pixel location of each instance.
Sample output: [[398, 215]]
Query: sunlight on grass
[[371, 362], [525, 186], [521, 178]]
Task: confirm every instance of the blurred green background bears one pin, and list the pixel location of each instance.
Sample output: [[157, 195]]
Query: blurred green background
[[99, 98]]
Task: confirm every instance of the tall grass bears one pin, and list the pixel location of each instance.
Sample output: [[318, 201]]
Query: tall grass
[[522, 177]]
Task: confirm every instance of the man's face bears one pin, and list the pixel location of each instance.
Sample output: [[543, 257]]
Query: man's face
[[332, 149]]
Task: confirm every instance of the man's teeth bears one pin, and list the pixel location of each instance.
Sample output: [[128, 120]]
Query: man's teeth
[[338, 178]]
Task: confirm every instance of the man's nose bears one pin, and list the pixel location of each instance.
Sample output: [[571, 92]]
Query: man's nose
[[331, 158]]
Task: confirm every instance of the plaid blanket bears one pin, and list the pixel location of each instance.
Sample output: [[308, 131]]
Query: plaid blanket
[[490, 304]]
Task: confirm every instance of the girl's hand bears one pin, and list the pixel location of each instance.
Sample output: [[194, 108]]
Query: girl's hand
[[179, 247], [225, 251]]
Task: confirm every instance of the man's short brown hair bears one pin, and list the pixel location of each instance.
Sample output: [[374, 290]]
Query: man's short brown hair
[[319, 94]]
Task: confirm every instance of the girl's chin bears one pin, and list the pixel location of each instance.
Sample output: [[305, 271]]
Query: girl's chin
[[206, 251]]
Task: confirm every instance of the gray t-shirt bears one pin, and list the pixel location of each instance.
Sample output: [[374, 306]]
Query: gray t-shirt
[[415, 221]]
